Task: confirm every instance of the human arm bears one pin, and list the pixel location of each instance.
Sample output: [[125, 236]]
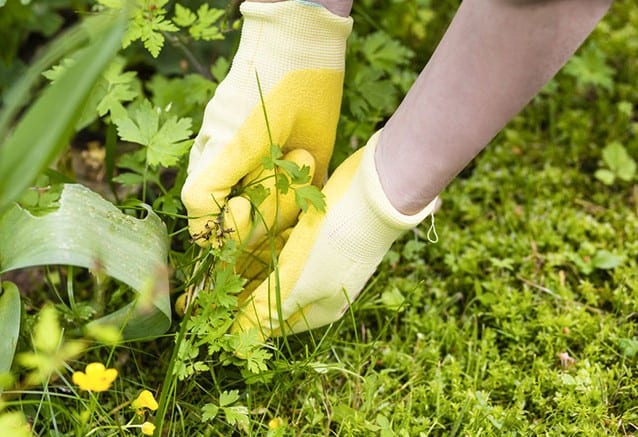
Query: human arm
[[495, 56]]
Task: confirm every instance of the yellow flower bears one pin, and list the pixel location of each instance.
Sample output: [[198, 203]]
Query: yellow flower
[[276, 423], [95, 377], [144, 400], [148, 428]]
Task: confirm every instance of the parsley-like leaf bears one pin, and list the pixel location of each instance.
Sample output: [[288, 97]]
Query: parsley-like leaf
[[166, 144], [209, 412], [310, 194], [184, 17]]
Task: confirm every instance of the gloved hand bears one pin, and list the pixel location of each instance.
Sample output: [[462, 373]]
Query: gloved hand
[[294, 52], [329, 256]]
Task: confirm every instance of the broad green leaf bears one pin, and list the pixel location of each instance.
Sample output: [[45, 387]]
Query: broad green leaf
[[628, 347], [619, 161], [606, 260], [165, 144], [14, 424], [9, 323], [88, 231], [48, 124], [392, 299], [47, 333], [607, 177]]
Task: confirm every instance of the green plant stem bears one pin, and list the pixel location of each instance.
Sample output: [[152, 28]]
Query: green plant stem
[[169, 378], [199, 67]]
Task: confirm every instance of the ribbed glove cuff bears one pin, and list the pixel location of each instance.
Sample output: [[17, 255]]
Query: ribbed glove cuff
[[306, 35], [363, 224], [377, 198]]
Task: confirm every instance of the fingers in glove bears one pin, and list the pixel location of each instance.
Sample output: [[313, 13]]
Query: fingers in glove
[[276, 212]]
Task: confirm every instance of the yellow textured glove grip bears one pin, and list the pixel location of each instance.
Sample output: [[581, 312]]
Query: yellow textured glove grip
[[295, 52], [329, 256]]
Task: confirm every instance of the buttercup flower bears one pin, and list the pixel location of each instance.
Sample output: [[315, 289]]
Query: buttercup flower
[[144, 400], [148, 428], [95, 377], [275, 423]]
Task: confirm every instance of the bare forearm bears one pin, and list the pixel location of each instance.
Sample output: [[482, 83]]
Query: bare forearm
[[495, 56]]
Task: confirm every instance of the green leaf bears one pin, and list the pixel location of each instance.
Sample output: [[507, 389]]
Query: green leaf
[[204, 28], [129, 179], [227, 285], [220, 68], [47, 126], [619, 161], [171, 142], [237, 415], [169, 94], [392, 299], [282, 183], [57, 71], [607, 177], [9, 323], [184, 17], [257, 359], [383, 52], [148, 23], [209, 412], [589, 68], [112, 89], [606, 260], [228, 398], [47, 334], [165, 144], [310, 194], [257, 194], [291, 168], [628, 347], [118, 88], [88, 231], [14, 424]]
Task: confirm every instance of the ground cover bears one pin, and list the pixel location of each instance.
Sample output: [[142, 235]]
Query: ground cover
[[520, 320]]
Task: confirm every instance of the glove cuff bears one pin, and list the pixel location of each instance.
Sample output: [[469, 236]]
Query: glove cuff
[[302, 34], [377, 198]]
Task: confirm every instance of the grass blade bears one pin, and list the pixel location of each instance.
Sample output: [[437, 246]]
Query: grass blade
[[9, 323]]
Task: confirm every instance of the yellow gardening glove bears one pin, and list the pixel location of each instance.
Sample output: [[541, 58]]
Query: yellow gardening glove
[[294, 51], [329, 256]]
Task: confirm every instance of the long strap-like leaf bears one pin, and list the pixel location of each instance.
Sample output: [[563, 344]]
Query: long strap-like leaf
[[88, 231], [48, 124]]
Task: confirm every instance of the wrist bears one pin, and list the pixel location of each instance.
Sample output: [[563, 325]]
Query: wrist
[[378, 198]]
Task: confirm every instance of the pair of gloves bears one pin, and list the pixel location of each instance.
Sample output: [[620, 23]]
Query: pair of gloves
[[284, 88]]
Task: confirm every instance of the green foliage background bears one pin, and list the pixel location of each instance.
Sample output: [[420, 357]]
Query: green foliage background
[[521, 320]]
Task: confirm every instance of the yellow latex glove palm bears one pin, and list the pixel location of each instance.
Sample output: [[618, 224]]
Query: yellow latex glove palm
[[291, 54], [329, 256]]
